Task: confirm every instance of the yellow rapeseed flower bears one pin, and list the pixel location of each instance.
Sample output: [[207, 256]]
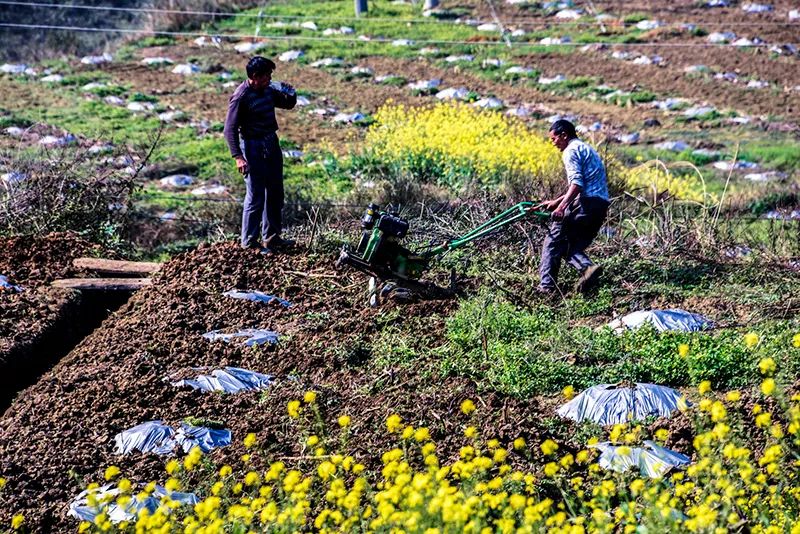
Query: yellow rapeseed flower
[[251, 478], [568, 392], [467, 406], [551, 469], [549, 447], [704, 387], [250, 440], [751, 339], [683, 350], [225, 471], [470, 432], [111, 472], [768, 386], [17, 521], [393, 423], [763, 420], [172, 466], [733, 396], [422, 434], [344, 421], [519, 443], [293, 408], [312, 441], [796, 341], [766, 366], [310, 397]]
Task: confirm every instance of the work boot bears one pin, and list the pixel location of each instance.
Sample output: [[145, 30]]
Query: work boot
[[547, 293], [589, 278], [277, 241], [258, 248]]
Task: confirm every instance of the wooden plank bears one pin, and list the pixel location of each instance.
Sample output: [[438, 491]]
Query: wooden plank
[[116, 267], [102, 284]]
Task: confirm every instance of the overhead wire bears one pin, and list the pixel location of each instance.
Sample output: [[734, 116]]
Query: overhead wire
[[379, 40], [427, 20]]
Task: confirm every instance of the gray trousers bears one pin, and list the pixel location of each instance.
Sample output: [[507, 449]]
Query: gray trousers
[[569, 237], [263, 202]]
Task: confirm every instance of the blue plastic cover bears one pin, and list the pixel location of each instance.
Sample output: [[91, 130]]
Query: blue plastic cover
[[156, 437], [254, 336], [106, 497], [152, 436], [611, 404], [5, 285], [663, 321], [207, 439], [652, 460], [256, 296], [229, 380]]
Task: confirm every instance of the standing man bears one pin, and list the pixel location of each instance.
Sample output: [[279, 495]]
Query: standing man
[[251, 115], [578, 214]]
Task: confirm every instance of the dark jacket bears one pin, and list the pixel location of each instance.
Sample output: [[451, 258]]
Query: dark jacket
[[251, 114]]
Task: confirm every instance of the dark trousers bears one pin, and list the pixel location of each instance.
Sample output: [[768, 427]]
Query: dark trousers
[[569, 237], [263, 202]]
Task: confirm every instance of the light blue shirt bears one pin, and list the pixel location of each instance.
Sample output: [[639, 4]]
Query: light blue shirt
[[585, 169]]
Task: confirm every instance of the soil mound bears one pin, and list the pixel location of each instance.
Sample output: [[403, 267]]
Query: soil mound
[[34, 260], [120, 375]]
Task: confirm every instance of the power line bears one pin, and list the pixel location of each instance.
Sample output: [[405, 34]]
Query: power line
[[380, 40], [430, 20]]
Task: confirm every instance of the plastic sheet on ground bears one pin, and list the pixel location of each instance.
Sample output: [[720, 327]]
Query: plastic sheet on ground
[[328, 62], [177, 180], [152, 436], [96, 60], [209, 190], [555, 40], [152, 61], [141, 106], [53, 141], [80, 509], [161, 439], [290, 55], [488, 103], [462, 57], [424, 85], [558, 78], [663, 320], [349, 118], [611, 404], [652, 460], [248, 47], [229, 380], [186, 69], [488, 27], [52, 78], [207, 439], [12, 178], [256, 296], [252, 336], [453, 93], [5, 285]]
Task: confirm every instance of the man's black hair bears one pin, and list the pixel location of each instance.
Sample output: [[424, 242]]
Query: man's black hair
[[258, 66], [563, 127]]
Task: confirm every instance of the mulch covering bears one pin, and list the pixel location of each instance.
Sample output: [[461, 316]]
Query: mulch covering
[[114, 379]]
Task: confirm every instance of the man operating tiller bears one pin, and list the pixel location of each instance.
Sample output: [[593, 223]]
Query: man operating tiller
[[577, 215]]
